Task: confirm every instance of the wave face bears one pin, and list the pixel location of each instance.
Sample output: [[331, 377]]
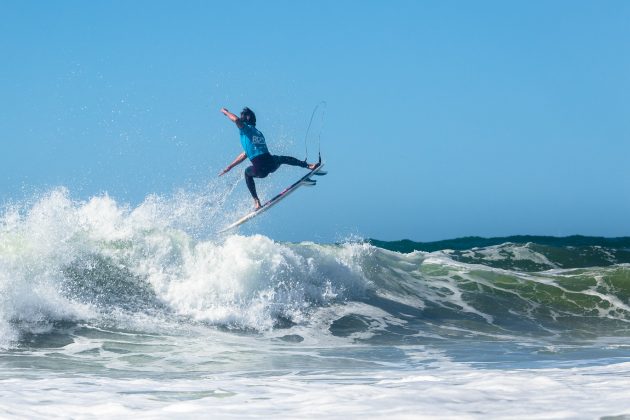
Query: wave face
[[101, 264]]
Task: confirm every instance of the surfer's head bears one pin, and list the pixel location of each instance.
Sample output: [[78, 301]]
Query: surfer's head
[[248, 116]]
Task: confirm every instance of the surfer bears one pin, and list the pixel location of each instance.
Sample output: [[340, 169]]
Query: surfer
[[255, 149]]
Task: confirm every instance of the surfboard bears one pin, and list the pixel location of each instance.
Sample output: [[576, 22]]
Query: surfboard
[[304, 181]]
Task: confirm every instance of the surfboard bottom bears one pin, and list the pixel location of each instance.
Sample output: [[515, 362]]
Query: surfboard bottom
[[305, 180]]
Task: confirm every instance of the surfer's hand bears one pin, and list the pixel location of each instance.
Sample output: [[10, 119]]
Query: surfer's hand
[[225, 171], [225, 111]]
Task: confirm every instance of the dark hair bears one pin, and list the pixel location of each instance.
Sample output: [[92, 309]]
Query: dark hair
[[248, 116]]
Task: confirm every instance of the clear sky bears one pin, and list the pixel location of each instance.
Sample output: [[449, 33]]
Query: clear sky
[[444, 118]]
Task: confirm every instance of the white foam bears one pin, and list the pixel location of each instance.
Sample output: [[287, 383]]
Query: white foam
[[509, 251], [448, 391], [247, 281], [33, 251]]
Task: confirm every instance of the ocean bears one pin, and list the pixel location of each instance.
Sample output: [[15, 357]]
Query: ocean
[[109, 310]]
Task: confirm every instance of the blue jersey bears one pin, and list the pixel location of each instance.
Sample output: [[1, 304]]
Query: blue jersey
[[253, 141]]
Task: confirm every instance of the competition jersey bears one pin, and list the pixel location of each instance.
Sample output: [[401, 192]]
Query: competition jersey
[[253, 141]]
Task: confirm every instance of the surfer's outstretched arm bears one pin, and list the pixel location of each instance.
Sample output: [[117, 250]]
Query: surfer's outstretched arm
[[232, 117], [238, 160]]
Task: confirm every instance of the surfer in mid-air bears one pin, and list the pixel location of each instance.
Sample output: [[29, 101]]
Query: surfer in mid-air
[[255, 149]]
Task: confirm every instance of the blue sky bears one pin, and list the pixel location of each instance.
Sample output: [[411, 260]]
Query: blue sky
[[443, 118]]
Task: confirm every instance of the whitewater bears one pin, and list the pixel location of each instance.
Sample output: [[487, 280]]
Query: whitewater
[[109, 310]]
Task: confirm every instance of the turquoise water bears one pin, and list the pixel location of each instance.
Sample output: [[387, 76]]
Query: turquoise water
[[110, 310]]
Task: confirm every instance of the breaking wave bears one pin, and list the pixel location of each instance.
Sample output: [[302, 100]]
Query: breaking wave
[[100, 263]]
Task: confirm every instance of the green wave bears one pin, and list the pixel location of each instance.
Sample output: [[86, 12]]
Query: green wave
[[440, 297], [470, 242], [525, 253]]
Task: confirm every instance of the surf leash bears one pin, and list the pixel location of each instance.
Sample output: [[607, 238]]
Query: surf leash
[[322, 104]]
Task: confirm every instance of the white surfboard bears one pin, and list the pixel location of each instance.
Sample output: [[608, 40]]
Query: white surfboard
[[304, 181]]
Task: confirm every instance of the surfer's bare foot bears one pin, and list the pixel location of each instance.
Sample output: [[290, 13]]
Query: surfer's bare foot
[[312, 166], [257, 205]]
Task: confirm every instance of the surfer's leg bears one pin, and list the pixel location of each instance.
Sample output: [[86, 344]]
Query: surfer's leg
[[289, 160], [249, 180]]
